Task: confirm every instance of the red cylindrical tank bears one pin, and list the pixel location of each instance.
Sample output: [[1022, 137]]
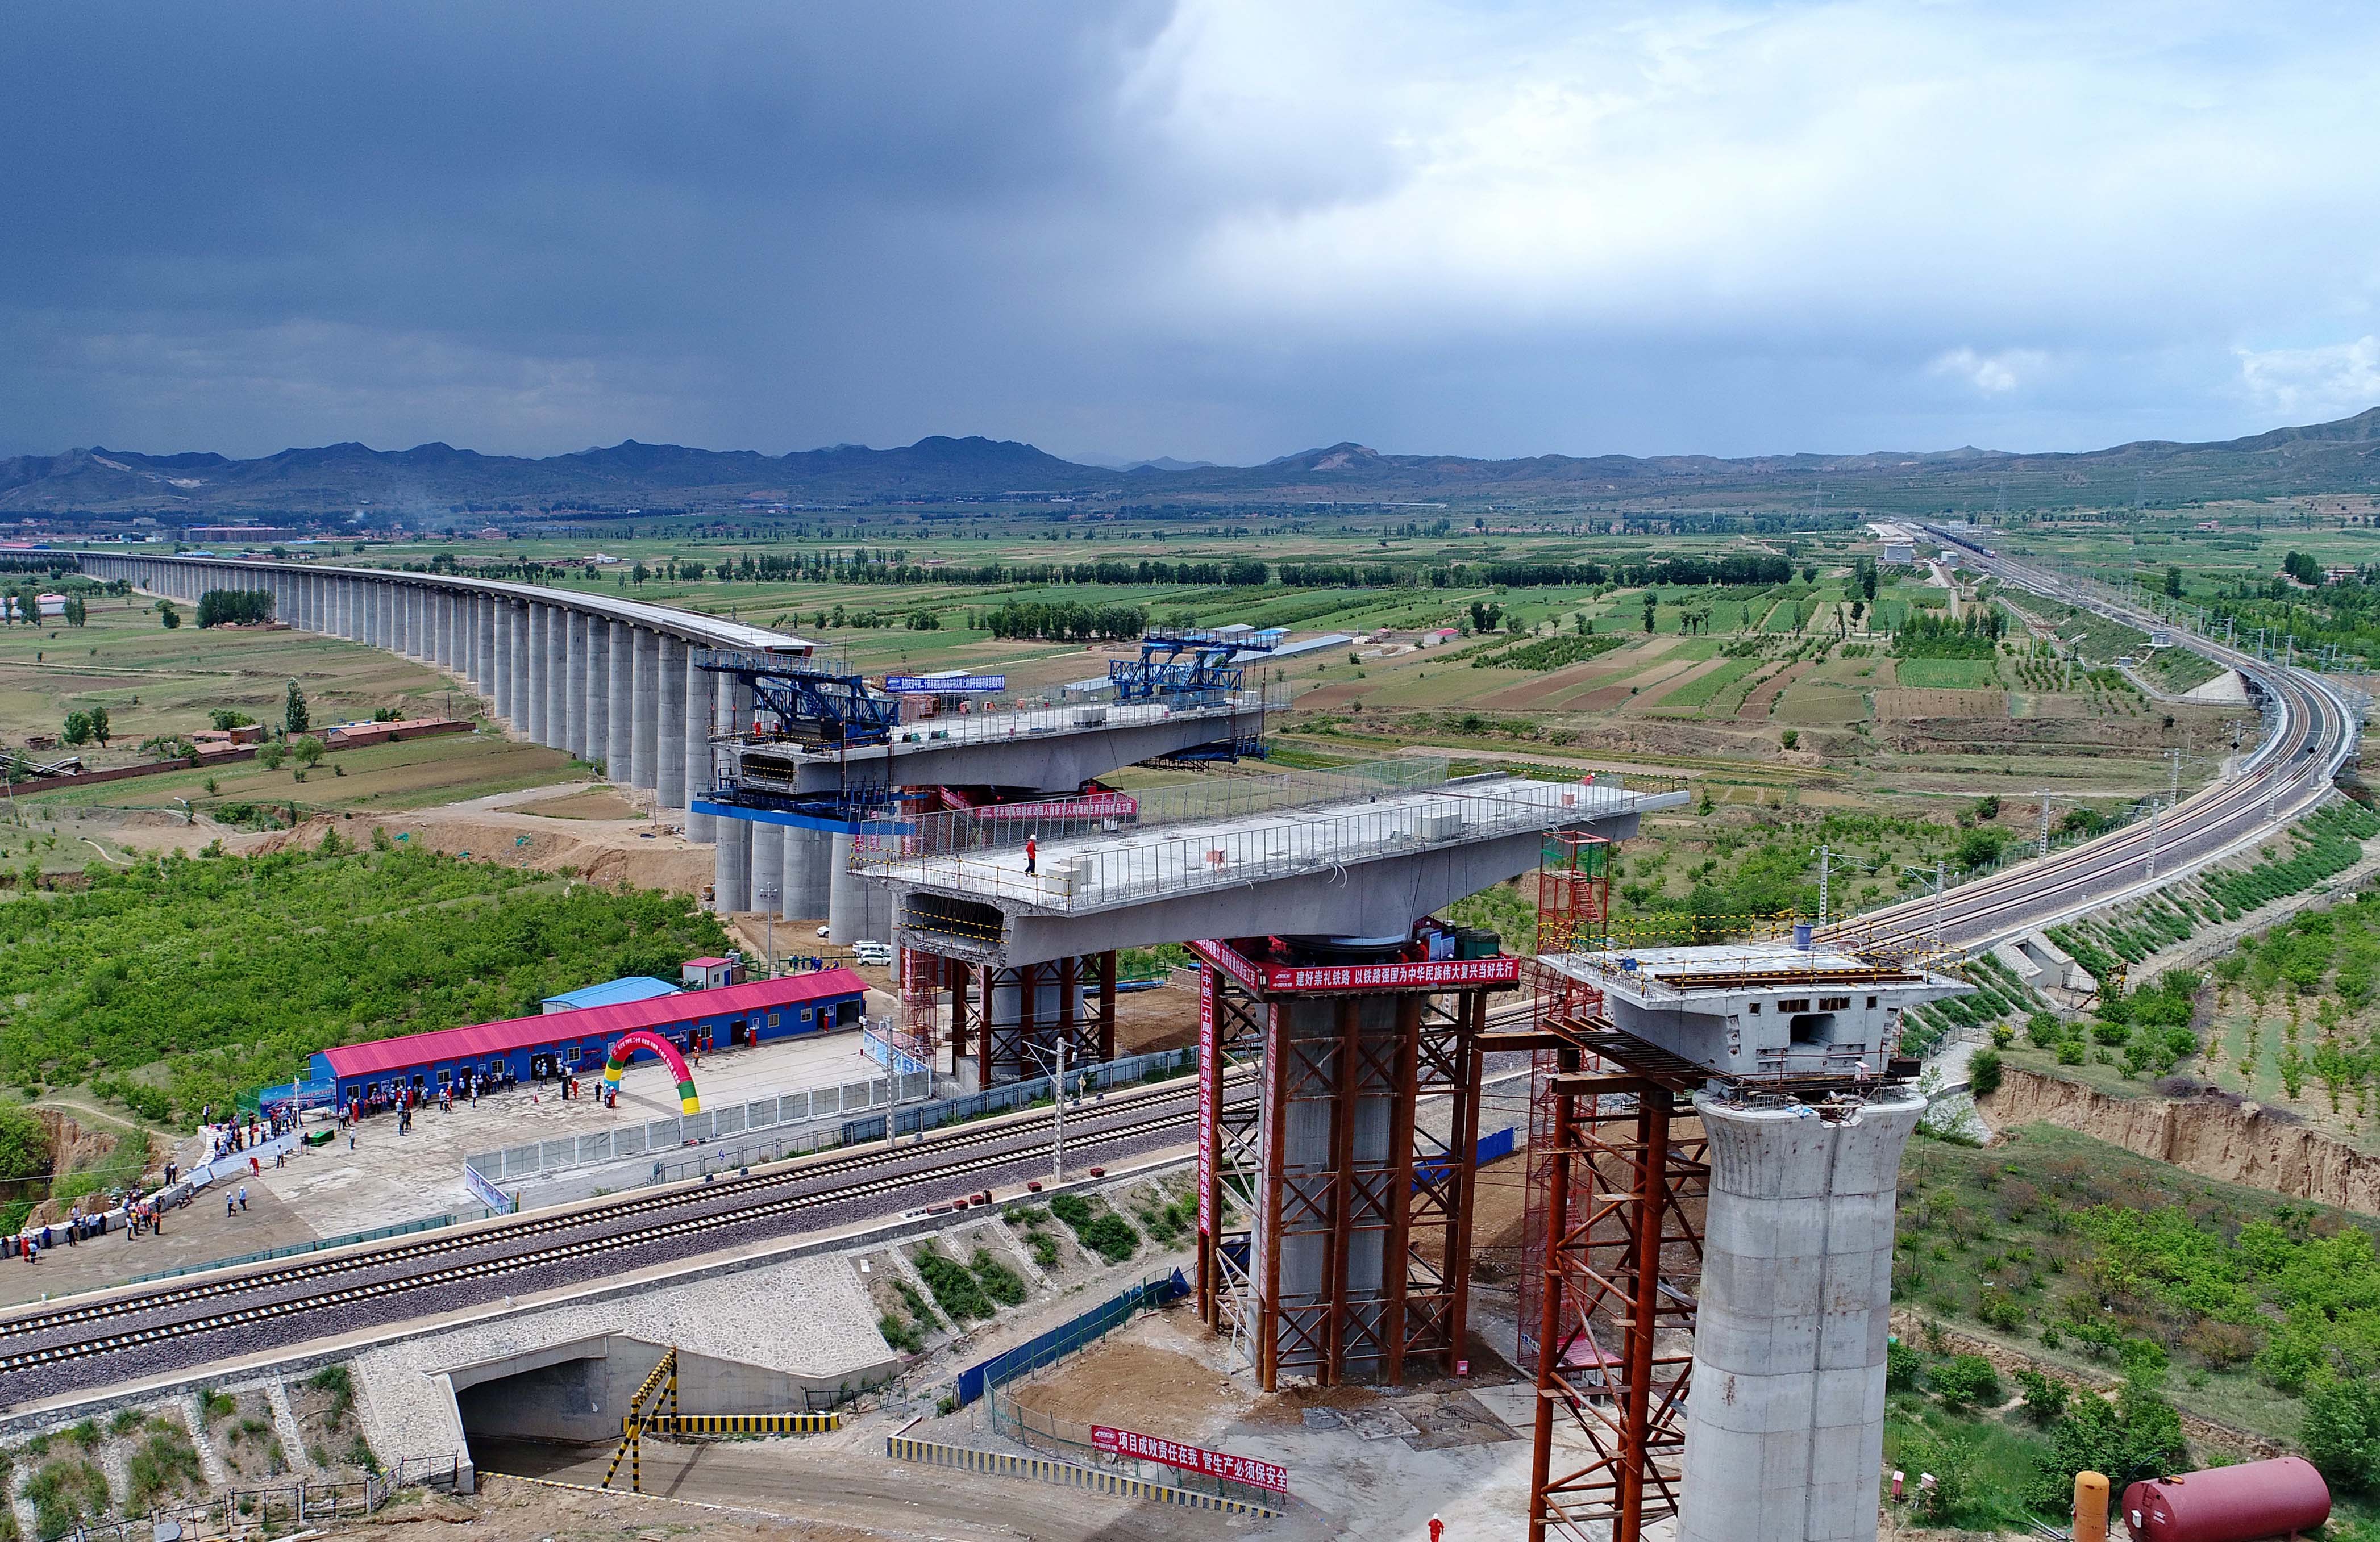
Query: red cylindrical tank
[[2228, 1504]]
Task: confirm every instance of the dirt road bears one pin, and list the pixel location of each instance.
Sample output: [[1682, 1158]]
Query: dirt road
[[866, 1492]]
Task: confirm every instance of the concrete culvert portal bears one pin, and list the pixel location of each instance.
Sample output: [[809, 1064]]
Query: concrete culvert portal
[[542, 1411]]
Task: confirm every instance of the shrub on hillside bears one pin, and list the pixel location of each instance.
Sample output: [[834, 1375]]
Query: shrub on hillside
[[1963, 1379]]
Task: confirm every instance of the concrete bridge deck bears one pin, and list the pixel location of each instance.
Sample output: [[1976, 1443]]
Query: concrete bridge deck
[[1362, 866], [1051, 750]]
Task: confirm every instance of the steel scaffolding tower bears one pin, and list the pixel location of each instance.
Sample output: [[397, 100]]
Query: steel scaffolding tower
[[1349, 1255]]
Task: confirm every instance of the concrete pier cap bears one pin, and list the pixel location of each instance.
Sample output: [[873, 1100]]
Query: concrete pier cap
[[1785, 1425]]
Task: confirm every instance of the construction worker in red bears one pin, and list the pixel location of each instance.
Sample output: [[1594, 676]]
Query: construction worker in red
[[1437, 1529], [1032, 848]]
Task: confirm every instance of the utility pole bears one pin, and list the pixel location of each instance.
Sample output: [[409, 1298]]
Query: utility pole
[[2045, 823], [767, 895], [1058, 1105], [2154, 808], [1938, 944], [2173, 784], [1823, 864]]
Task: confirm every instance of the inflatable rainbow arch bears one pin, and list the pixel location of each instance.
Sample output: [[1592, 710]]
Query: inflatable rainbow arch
[[628, 1044]]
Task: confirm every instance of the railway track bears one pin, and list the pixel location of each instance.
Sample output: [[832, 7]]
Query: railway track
[[357, 1287], [2313, 732]]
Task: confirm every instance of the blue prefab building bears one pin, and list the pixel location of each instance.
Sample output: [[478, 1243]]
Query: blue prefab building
[[558, 1043], [628, 987]]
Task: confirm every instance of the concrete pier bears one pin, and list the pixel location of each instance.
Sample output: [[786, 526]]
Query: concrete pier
[[645, 721], [483, 652], [668, 725], [540, 673], [520, 668], [856, 910], [573, 699], [700, 724], [809, 872], [1785, 1426], [599, 690], [768, 867], [620, 713], [732, 866], [557, 678], [1313, 1129]]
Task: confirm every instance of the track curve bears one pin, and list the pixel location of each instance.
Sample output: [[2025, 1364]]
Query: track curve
[[2310, 731]]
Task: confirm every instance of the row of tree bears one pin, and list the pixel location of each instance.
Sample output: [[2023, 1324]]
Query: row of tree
[[1926, 635], [235, 607], [1058, 621]]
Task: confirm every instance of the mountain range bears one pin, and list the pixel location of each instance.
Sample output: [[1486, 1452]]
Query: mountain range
[[434, 483]]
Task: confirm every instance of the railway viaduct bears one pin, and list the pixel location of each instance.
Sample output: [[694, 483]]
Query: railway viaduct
[[615, 681], [606, 679]]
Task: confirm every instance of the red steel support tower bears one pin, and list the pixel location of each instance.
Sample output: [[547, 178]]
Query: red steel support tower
[[1350, 1255], [1613, 1233]]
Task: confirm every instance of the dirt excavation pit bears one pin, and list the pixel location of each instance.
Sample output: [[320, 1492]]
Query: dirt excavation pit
[[1165, 1392]]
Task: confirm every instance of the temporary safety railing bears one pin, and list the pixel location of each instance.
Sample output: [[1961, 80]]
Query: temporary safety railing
[[972, 861], [1202, 801], [1816, 968], [267, 1508]]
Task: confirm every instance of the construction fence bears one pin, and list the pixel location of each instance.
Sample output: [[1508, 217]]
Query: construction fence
[[1048, 1348], [1074, 1442], [1070, 1475], [1123, 1071], [912, 1115], [659, 1136]]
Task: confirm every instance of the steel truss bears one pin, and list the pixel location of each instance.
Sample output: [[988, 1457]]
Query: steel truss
[[814, 702], [1573, 915], [1628, 1183], [1019, 1042], [1376, 1221]]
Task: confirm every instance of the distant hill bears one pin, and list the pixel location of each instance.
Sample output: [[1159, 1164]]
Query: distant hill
[[428, 482]]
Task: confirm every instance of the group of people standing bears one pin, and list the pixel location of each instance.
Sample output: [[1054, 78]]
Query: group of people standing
[[404, 1097]]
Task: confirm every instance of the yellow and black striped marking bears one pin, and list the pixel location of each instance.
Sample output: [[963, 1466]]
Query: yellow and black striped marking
[[743, 1423], [1045, 1469]]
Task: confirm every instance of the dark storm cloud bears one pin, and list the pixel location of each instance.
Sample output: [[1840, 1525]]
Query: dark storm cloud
[[1207, 229]]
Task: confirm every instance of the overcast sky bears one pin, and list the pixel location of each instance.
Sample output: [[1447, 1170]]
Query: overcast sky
[[1215, 230]]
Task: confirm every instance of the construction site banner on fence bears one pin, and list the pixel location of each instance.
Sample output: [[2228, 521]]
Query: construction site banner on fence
[[1191, 1459]]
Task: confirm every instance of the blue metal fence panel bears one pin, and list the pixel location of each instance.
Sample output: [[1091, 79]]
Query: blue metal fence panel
[[1067, 1337]]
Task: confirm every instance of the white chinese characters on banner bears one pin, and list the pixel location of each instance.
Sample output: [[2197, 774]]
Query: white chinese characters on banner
[[1191, 1459]]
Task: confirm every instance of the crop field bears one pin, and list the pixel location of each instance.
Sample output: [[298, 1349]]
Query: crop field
[[1917, 703], [154, 682], [1706, 688], [1946, 673], [1711, 680]]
